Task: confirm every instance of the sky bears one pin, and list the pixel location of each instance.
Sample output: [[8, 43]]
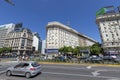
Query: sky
[[35, 14]]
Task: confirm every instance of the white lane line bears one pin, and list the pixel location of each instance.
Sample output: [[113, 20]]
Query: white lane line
[[114, 79], [95, 73], [79, 75], [54, 67], [89, 67], [83, 68]]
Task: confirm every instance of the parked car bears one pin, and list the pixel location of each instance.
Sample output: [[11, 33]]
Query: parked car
[[94, 59], [27, 69], [111, 58]]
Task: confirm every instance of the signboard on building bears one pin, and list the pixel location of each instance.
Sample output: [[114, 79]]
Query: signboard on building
[[51, 51], [105, 10]]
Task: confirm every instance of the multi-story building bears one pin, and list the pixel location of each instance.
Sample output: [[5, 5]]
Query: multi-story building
[[109, 28], [37, 42], [4, 30], [20, 40], [59, 35], [43, 47]]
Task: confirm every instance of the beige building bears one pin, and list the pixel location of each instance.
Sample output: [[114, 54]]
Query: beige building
[[20, 41], [60, 35], [109, 27]]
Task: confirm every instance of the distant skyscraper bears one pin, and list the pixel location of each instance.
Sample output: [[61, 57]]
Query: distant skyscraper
[[109, 28], [4, 30], [43, 46], [37, 42]]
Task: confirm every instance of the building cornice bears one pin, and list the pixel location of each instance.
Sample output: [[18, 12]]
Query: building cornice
[[58, 24], [108, 17]]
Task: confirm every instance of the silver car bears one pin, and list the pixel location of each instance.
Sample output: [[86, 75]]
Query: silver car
[[27, 69]]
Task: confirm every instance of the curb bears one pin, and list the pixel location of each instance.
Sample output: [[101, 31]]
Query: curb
[[87, 64]]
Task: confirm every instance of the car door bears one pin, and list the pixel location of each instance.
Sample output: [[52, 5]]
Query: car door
[[23, 68], [18, 69]]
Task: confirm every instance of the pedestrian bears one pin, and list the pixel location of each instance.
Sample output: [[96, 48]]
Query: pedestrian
[[23, 58], [17, 58]]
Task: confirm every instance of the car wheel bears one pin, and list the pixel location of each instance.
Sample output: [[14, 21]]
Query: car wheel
[[27, 75], [8, 73]]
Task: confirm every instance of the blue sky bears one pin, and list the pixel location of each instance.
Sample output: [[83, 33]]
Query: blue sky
[[35, 14]]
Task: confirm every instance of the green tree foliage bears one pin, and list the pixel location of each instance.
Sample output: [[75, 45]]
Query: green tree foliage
[[96, 49], [5, 50], [76, 50], [64, 50]]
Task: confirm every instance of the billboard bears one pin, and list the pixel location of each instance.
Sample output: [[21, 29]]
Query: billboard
[[109, 9], [105, 10], [51, 51]]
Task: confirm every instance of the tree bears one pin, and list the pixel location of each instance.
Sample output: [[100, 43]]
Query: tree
[[8, 49], [1, 50], [65, 50], [61, 50], [5, 50], [76, 50], [96, 49], [69, 49]]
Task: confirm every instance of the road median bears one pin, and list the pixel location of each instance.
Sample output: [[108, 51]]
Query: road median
[[86, 64]]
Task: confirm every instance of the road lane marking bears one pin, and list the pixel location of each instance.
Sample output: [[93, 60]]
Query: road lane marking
[[89, 67], [95, 73], [63, 67], [83, 68], [68, 74], [114, 79]]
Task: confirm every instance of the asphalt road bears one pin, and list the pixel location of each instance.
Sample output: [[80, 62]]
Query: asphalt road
[[72, 72]]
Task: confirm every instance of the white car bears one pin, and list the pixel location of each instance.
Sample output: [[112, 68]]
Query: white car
[[27, 69]]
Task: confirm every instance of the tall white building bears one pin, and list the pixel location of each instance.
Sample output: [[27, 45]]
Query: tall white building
[[109, 27], [43, 46], [37, 42], [60, 35], [4, 30]]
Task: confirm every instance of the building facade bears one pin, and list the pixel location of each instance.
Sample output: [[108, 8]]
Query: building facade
[[109, 28], [4, 30], [20, 41], [37, 42], [59, 35], [43, 47]]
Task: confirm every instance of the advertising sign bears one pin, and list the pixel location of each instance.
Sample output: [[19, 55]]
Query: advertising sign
[[109, 9], [105, 10], [51, 51]]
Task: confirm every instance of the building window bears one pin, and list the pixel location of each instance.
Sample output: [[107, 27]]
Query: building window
[[23, 42], [106, 35], [117, 34], [112, 35]]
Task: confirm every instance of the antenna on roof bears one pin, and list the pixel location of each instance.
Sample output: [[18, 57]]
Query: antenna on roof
[[68, 23]]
